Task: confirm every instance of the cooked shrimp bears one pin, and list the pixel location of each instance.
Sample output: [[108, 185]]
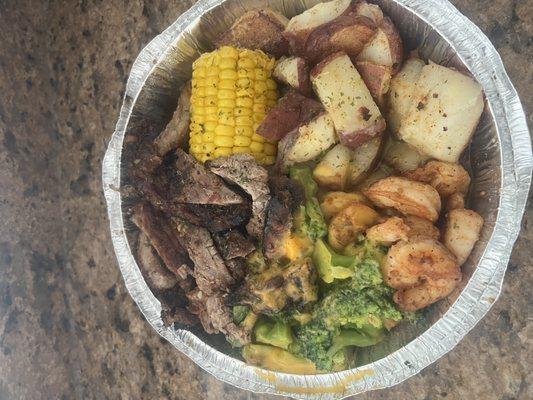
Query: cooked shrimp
[[421, 228], [335, 202], [349, 223], [388, 232], [447, 178], [462, 231], [422, 270], [455, 201], [406, 196]]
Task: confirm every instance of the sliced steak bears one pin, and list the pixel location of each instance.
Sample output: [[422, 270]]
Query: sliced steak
[[237, 268], [174, 308], [222, 320], [287, 196], [154, 272], [242, 170], [210, 271], [162, 236], [176, 133], [233, 244]]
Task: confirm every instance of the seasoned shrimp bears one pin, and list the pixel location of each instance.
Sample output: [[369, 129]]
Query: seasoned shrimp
[[388, 232], [455, 201], [406, 196], [461, 233], [447, 178], [422, 270], [335, 202], [421, 228]]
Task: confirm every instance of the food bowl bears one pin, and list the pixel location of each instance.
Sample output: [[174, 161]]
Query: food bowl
[[500, 162]]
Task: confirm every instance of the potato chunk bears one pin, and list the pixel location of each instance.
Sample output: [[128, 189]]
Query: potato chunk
[[333, 170], [462, 231], [444, 113], [349, 223]]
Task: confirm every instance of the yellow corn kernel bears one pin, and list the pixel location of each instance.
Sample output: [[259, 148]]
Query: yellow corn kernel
[[244, 121], [260, 99], [208, 137], [260, 74], [199, 72], [244, 83], [195, 139], [258, 138], [223, 141], [224, 130], [256, 126], [197, 101], [246, 63], [244, 102], [271, 94], [242, 141], [211, 118], [211, 110], [211, 91], [246, 93], [228, 74], [268, 160], [210, 126], [222, 152], [196, 148], [211, 101], [211, 81], [212, 71], [198, 119], [241, 150], [229, 52], [208, 148], [260, 87], [271, 103], [256, 147], [226, 103], [244, 131], [271, 84], [269, 149], [195, 127], [259, 117], [258, 157], [228, 84], [260, 108], [228, 63], [226, 94], [244, 111]]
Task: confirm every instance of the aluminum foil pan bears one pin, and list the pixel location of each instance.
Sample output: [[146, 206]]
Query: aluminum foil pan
[[500, 160]]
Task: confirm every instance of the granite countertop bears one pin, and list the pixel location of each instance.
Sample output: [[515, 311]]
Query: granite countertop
[[68, 328]]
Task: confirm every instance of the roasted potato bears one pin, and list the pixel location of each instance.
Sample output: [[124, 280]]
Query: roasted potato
[[300, 27], [461, 232], [377, 79], [454, 201], [386, 48], [349, 223], [447, 178], [307, 142], [348, 101], [335, 202], [176, 133], [347, 33], [371, 11], [258, 30], [294, 72], [401, 93], [291, 111], [406, 196], [364, 158], [402, 157], [444, 113], [333, 171]]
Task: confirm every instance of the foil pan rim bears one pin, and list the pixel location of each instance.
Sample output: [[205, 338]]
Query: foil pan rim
[[477, 297]]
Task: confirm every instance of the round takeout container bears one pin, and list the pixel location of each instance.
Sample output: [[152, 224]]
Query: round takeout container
[[500, 161]]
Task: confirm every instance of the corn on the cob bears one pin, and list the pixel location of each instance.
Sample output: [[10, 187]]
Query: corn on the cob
[[232, 90]]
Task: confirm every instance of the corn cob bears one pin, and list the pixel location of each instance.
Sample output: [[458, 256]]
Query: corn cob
[[232, 90]]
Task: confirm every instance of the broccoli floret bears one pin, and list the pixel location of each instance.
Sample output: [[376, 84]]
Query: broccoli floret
[[331, 265], [240, 313], [275, 333], [310, 219]]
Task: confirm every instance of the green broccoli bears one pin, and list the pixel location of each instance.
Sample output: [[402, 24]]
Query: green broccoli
[[361, 304], [240, 313], [275, 333], [331, 265], [310, 219]]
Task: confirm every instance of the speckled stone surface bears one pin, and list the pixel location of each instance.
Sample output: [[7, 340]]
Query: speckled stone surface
[[68, 328]]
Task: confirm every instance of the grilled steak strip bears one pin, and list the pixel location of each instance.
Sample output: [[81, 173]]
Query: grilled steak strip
[[162, 236], [243, 171], [233, 244]]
